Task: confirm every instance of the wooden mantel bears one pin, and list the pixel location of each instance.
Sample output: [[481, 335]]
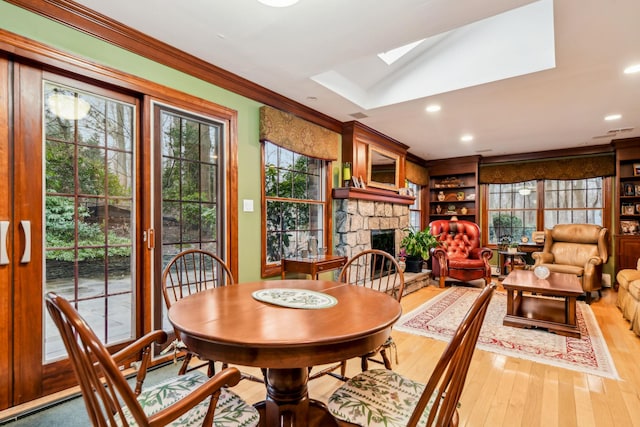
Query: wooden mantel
[[373, 194]]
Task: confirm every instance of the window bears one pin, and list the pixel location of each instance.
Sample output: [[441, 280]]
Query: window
[[415, 214], [512, 210], [514, 213], [574, 201], [191, 183], [295, 203]]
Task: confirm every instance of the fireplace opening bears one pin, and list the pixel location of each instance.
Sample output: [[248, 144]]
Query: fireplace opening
[[383, 240]]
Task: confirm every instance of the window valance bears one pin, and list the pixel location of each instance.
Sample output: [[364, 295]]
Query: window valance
[[416, 173], [560, 168], [296, 134]]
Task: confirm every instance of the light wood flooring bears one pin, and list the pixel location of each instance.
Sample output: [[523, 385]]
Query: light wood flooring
[[504, 391]]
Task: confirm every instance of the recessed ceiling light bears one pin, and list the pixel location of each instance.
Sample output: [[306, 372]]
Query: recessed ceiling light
[[632, 69], [278, 3], [433, 108], [466, 138], [613, 117]]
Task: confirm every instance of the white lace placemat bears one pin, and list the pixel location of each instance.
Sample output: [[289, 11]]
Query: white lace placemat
[[295, 298]]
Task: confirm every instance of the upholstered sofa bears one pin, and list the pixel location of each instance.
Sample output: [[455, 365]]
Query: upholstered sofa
[[580, 249], [629, 296], [459, 255]]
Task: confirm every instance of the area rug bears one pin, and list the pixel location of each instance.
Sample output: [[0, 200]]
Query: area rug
[[440, 316]]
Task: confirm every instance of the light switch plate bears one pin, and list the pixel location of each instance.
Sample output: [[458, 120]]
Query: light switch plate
[[247, 205]]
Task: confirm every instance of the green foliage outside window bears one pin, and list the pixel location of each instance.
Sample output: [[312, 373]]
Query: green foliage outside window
[[293, 183], [60, 226]]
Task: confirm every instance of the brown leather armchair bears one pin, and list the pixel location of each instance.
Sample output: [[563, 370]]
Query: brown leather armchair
[[459, 255], [580, 249]]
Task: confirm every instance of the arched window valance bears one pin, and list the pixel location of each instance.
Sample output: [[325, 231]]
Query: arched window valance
[[299, 135], [581, 167]]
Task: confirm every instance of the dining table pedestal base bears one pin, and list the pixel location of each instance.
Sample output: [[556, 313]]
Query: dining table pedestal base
[[288, 404]]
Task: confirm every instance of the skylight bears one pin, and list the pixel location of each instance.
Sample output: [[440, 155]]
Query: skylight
[[391, 56], [514, 43]]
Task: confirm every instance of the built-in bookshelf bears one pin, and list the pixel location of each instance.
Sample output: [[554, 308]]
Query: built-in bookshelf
[[627, 223], [453, 189]]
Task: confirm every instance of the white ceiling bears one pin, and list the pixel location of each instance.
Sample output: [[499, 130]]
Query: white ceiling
[[550, 107]]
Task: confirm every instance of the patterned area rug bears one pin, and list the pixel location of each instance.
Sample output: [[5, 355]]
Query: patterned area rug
[[439, 317]]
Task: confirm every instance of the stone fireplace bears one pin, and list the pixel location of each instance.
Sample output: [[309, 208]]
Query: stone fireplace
[[355, 219]]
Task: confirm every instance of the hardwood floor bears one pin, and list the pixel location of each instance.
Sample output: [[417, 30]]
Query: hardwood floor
[[504, 391]]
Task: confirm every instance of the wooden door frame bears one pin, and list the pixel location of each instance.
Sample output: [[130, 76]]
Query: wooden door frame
[[47, 59]]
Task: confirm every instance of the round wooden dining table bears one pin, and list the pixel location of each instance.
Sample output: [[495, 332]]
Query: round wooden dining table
[[229, 324]]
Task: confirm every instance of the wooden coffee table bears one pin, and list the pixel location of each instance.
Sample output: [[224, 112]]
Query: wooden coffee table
[[537, 310]]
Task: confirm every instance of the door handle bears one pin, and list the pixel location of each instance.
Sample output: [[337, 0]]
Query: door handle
[[26, 229], [4, 231]]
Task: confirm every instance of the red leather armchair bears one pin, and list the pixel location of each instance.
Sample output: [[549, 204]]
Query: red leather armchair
[[459, 255]]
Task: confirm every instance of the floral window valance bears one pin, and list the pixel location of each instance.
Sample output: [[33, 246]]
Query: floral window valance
[[561, 168], [296, 134]]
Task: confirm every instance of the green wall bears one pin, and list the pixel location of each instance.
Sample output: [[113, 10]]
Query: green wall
[[33, 26]]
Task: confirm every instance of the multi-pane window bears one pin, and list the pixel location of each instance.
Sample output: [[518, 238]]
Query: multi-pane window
[[192, 186], [191, 205], [295, 203], [415, 213], [573, 202], [513, 212]]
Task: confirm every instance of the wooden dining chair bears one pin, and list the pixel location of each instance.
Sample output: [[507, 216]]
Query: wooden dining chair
[[189, 272], [185, 400], [382, 397], [378, 270]]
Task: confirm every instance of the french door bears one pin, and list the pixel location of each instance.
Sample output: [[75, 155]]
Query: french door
[[191, 185], [69, 220]]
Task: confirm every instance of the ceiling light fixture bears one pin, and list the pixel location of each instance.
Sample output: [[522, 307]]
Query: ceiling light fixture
[[433, 108], [68, 107], [632, 69], [611, 117], [466, 138], [278, 3]]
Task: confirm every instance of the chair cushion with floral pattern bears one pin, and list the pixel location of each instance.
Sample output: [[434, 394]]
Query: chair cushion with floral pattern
[[230, 411], [377, 397]]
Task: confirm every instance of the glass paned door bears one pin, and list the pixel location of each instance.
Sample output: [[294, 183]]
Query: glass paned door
[[191, 184], [89, 211]]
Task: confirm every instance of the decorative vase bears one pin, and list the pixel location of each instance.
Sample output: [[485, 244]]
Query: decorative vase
[[541, 272]]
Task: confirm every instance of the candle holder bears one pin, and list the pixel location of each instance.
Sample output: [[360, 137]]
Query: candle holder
[[346, 174]]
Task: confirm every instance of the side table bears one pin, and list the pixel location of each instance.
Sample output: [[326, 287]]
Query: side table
[[312, 265], [503, 256]]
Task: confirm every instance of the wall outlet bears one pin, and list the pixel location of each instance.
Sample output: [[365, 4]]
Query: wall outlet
[[606, 280], [495, 271]]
